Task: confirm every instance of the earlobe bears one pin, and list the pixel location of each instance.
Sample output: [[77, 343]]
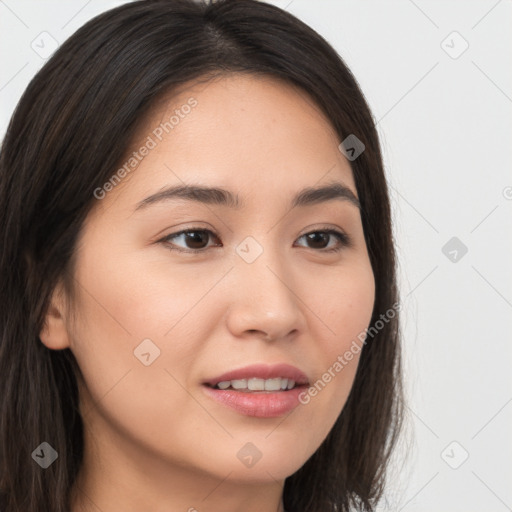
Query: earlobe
[[54, 334]]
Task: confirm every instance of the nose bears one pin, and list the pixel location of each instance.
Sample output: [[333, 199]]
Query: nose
[[264, 300]]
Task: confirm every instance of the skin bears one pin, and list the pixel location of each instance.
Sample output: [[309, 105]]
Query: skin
[[153, 440]]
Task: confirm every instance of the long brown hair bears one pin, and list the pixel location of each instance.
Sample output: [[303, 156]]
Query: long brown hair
[[70, 129]]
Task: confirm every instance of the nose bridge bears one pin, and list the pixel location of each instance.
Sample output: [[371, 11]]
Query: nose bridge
[[264, 299]]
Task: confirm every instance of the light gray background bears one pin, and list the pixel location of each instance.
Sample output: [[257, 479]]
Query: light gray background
[[445, 122]]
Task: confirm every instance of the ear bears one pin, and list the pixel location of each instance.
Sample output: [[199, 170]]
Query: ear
[[54, 334]]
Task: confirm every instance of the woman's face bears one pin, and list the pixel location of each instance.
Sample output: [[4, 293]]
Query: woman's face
[[265, 287]]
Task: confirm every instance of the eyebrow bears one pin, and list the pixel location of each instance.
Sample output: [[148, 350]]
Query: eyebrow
[[219, 196]]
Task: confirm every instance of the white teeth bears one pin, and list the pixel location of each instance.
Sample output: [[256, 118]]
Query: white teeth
[[256, 384], [239, 384], [273, 384]]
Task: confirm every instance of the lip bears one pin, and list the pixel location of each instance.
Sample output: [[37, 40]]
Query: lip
[[262, 371], [259, 404]]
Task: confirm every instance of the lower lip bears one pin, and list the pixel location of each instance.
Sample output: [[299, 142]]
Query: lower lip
[[261, 404]]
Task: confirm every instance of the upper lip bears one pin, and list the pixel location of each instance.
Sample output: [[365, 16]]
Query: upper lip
[[262, 371]]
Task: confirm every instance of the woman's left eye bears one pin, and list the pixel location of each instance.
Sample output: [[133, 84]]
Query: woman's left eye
[[321, 236], [198, 236]]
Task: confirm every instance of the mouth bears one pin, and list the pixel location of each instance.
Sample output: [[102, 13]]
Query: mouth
[[262, 391]]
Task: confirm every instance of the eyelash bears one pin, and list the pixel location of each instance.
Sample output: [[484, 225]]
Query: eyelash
[[343, 239]]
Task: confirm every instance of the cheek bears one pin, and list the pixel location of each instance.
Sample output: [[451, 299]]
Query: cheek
[[124, 301], [347, 305], [121, 307], [135, 298]]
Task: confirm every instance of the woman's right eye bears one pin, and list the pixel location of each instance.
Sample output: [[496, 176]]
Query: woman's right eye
[[194, 236]]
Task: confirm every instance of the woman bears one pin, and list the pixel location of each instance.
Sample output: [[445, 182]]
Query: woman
[[200, 306]]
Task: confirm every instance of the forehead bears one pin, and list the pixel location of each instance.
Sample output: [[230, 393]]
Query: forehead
[[254, 134]]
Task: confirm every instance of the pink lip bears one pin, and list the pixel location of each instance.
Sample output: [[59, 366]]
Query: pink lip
[[261, 404], [262, 371]]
